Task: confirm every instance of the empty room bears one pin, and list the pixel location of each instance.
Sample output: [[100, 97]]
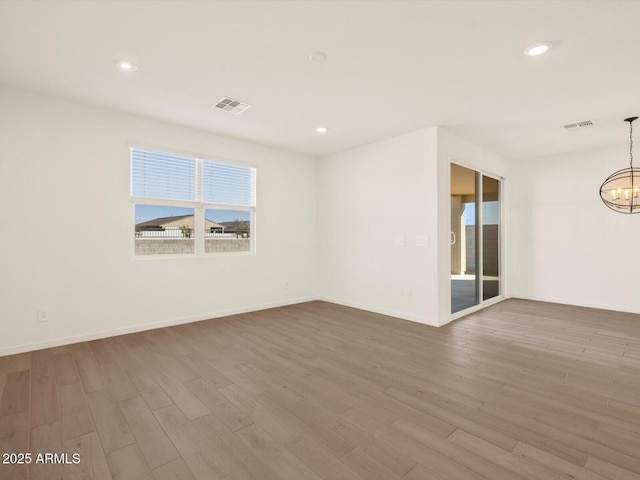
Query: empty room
[[319, 240]]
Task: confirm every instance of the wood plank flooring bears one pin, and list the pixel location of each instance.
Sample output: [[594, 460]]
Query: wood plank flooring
[[520, 390]]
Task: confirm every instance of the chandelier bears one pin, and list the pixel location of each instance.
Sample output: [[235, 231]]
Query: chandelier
[[621, 190]]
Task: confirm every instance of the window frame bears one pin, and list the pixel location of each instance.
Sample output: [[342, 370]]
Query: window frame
[[199, 206]]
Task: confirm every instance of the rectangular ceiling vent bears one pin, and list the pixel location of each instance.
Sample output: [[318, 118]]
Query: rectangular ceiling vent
[[574, 127], [231, 105]]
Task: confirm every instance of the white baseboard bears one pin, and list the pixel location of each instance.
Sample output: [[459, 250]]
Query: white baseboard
[[564, 301], [383, 311], [56, 342]]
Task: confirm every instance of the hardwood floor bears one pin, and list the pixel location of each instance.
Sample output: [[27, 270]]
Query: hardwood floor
[[520, 390]]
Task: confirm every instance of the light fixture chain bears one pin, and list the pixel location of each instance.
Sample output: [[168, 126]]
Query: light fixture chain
[[631, 143]]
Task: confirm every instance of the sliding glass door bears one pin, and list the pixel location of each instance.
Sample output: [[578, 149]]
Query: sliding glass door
[[490, 237], [475, 238], [464, 249]]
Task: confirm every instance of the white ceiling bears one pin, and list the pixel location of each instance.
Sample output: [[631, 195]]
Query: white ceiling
[[392, 67]]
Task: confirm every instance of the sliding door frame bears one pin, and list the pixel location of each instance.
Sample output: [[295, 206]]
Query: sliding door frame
[[480, 238]]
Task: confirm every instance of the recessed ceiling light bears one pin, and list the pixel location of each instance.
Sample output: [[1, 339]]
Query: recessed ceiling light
[[126, 66], [537, 49], [318, 57], [322, 129]]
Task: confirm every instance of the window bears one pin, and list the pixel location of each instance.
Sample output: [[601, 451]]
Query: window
[[186, 205]]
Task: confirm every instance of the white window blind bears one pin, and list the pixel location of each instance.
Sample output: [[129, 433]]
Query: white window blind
[[228, 184], [161, 175]]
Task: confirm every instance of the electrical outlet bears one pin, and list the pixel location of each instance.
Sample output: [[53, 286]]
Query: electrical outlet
[[286, 285], [43, 315], [409, 295]]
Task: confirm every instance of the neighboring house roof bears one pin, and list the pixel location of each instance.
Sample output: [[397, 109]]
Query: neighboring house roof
[[176, 221]]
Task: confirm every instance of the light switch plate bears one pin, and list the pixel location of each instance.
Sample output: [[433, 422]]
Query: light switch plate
[[422, 241]]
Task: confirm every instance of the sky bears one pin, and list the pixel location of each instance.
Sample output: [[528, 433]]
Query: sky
[[149, 212], [490, 212]]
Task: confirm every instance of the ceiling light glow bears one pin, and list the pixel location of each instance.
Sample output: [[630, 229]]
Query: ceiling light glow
[[126, 66], [537, 49], [322, 130]]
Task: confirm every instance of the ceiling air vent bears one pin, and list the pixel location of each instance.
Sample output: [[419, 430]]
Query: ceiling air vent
[[231, 105], [574, 127]]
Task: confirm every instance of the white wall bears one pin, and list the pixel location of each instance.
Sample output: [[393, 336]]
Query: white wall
[[369, 196], [566, 245], [66, 237]]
